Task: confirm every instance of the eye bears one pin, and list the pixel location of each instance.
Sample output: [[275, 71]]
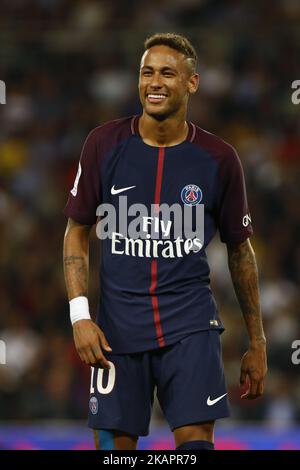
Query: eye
[[147, 74]]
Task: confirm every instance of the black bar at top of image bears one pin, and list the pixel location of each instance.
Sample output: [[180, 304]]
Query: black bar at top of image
[[133, 459]]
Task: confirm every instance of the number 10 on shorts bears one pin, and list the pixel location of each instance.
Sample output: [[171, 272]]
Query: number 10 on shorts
[[103, 389]]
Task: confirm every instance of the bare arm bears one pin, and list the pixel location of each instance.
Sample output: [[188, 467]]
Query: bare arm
[[244, 274], [76, 258], [88, 337]]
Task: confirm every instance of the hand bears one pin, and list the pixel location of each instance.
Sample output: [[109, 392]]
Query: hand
[[254, 370], [89, 340]]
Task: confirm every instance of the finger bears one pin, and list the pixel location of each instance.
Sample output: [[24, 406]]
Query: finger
[[84, 357], [253, 388], [80, 355], [246, 394], [246, 381], [260, 388], [100, 358], [104, 342], [243, 377], [90, 356], [104, 363]]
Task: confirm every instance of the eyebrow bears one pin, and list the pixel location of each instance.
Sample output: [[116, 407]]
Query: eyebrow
[[162, 69]]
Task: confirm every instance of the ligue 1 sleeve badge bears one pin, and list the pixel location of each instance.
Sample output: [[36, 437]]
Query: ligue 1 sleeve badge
[[191, 195]]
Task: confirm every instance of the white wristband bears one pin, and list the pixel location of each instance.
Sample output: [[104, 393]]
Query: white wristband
[[79, 309]]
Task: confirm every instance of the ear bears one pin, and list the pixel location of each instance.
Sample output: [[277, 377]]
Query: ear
[[193, 83]]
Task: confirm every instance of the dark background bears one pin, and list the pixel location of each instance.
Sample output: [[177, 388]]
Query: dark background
[[70, 65]]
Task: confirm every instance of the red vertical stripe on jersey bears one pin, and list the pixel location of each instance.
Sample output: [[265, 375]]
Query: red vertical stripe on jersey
[[154, 298], [159, 173]]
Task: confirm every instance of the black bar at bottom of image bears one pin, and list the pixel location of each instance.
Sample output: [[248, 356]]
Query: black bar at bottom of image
[[133, 459]]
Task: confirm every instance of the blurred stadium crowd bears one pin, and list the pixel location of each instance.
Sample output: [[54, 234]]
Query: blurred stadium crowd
[[70, 65]]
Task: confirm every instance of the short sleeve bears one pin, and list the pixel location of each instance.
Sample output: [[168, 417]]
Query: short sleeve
[[233, 216], [85, 196]]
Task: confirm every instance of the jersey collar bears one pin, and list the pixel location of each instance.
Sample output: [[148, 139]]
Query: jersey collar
[[135, 128]]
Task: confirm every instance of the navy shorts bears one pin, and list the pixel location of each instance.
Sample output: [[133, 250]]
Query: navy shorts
[[188, 377]]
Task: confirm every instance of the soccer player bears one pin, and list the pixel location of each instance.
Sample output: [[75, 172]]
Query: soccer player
[[158, 326]]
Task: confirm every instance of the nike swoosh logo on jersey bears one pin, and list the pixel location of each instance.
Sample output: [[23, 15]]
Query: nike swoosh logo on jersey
[[117, 191], [213, 402]]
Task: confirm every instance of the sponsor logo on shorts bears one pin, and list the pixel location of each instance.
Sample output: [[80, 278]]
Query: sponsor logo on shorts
[[94, 405], [211, 402]]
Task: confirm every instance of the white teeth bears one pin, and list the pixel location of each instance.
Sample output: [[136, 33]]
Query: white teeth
[[156, 96]]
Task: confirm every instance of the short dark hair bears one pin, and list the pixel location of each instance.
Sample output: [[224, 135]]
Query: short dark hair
[[177, 42]]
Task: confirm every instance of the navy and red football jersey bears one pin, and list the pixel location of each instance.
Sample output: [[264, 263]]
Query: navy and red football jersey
[[155, 290]]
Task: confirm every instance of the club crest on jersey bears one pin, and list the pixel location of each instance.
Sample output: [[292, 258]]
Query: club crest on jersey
[[94, 405], [191, 195]]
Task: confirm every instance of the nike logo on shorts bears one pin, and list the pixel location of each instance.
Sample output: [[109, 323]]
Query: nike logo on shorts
[[117, 191], [213, 402]]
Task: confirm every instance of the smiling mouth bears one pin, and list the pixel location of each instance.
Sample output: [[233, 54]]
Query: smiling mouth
[[156, 97]]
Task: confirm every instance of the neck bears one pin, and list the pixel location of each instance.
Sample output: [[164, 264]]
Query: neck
[[170, 131]]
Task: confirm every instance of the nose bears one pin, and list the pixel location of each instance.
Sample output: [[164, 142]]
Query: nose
[[155, 80]]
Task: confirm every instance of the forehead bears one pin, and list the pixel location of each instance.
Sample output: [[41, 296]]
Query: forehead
[[163, 56]]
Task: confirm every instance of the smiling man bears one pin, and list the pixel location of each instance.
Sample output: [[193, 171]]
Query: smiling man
[[158, 326]]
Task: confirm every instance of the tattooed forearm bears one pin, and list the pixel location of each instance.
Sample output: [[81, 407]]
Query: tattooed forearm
[[71, 260], [244, 274], [76, 259], [76, 274]]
